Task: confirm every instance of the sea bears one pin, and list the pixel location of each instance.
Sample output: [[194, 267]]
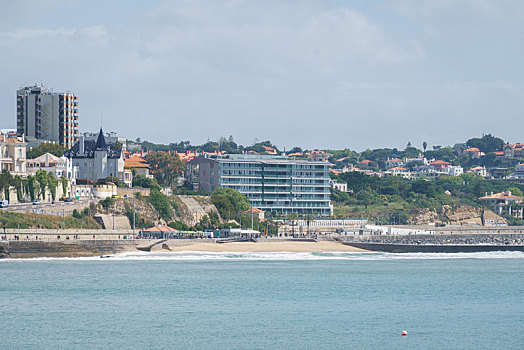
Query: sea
[[201, 300]]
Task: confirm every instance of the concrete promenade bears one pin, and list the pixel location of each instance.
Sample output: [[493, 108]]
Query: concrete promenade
[[61, 235]]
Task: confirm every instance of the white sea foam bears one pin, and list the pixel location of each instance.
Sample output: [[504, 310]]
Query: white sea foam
[[281, 256]]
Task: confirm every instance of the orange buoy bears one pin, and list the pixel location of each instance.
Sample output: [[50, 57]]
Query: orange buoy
[[404, 333]]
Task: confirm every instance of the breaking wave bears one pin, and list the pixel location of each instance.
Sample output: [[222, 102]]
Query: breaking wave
[[281, 256]]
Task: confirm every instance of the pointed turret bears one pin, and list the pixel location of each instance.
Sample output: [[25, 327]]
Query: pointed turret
[[101, 142]]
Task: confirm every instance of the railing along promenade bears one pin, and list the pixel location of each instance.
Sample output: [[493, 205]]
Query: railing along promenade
[[10, 234]]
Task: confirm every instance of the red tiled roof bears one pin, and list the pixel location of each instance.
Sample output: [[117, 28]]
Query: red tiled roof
[[161, 229], [269, 149], [255, 210], [501, 195], [135, 162], [4, 138], [440, 162]]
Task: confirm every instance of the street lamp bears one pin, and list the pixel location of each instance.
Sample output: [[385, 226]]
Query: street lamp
[[134, 215]]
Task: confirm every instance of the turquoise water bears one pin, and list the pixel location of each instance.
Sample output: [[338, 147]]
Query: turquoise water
[[264, 301]]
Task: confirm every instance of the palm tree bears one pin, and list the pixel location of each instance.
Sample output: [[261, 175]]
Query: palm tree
[[309, 218], [293, 217]]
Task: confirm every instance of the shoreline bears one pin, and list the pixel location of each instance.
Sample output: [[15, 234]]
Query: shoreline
[[73, 249], [20, 249], [256, 247]]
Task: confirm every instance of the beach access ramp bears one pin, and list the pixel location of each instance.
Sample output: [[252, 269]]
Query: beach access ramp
[[150, 245]]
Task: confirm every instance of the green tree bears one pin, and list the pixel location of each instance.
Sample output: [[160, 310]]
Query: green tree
[[64, 182], [516, 191], [145, 182], [114, 180], [161, 203], [178, 225], [42, 178], [165, 166], [107, 202], [367, 197], [443, 153], [17, 184], [31, 184], [229, 202], [339, 196], [48, 147], [6, 180], [52, 183], [488, 143], [424, 145]]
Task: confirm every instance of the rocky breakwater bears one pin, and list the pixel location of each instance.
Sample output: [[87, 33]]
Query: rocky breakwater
[[57, 249], [438, 243]]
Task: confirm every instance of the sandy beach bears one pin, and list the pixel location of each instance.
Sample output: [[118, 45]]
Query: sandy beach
[[284, 246]]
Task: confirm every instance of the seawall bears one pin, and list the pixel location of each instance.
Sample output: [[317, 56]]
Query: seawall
[[79, 248]]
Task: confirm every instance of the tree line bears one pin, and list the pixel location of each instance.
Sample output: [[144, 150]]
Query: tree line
[[35, 186]]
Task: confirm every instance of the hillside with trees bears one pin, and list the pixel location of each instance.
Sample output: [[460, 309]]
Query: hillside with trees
[[394, 199]]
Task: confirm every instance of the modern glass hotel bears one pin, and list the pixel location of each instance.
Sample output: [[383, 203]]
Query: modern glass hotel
[[272, 183]]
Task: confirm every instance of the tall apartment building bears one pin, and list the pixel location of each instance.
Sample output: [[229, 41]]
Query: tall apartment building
[[47, 115], [272, 183]]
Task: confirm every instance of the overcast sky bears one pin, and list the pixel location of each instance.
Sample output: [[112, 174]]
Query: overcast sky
[[317, 74]]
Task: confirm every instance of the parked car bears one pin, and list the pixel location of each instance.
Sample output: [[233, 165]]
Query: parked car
[[36, 202], [127, 196], [4, 204], [68, 200]]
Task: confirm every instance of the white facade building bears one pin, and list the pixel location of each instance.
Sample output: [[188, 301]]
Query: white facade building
[[12, 155], [59, 166], [394, 162], [98, 160], [454, 170], [339, 186], [480, 171]]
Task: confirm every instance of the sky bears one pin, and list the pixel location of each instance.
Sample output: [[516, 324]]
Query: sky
[[316, 74]]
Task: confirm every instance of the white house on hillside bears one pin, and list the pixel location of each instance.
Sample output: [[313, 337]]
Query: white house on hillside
[[98, 160], [59, 166], [12, 155]]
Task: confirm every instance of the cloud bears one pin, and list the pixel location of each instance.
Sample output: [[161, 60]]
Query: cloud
[[248, 36], [453, 17], [441, 114], [310, 73]]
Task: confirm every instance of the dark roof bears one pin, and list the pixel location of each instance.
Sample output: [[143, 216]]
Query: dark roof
[[89, 150], [101, 141]]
